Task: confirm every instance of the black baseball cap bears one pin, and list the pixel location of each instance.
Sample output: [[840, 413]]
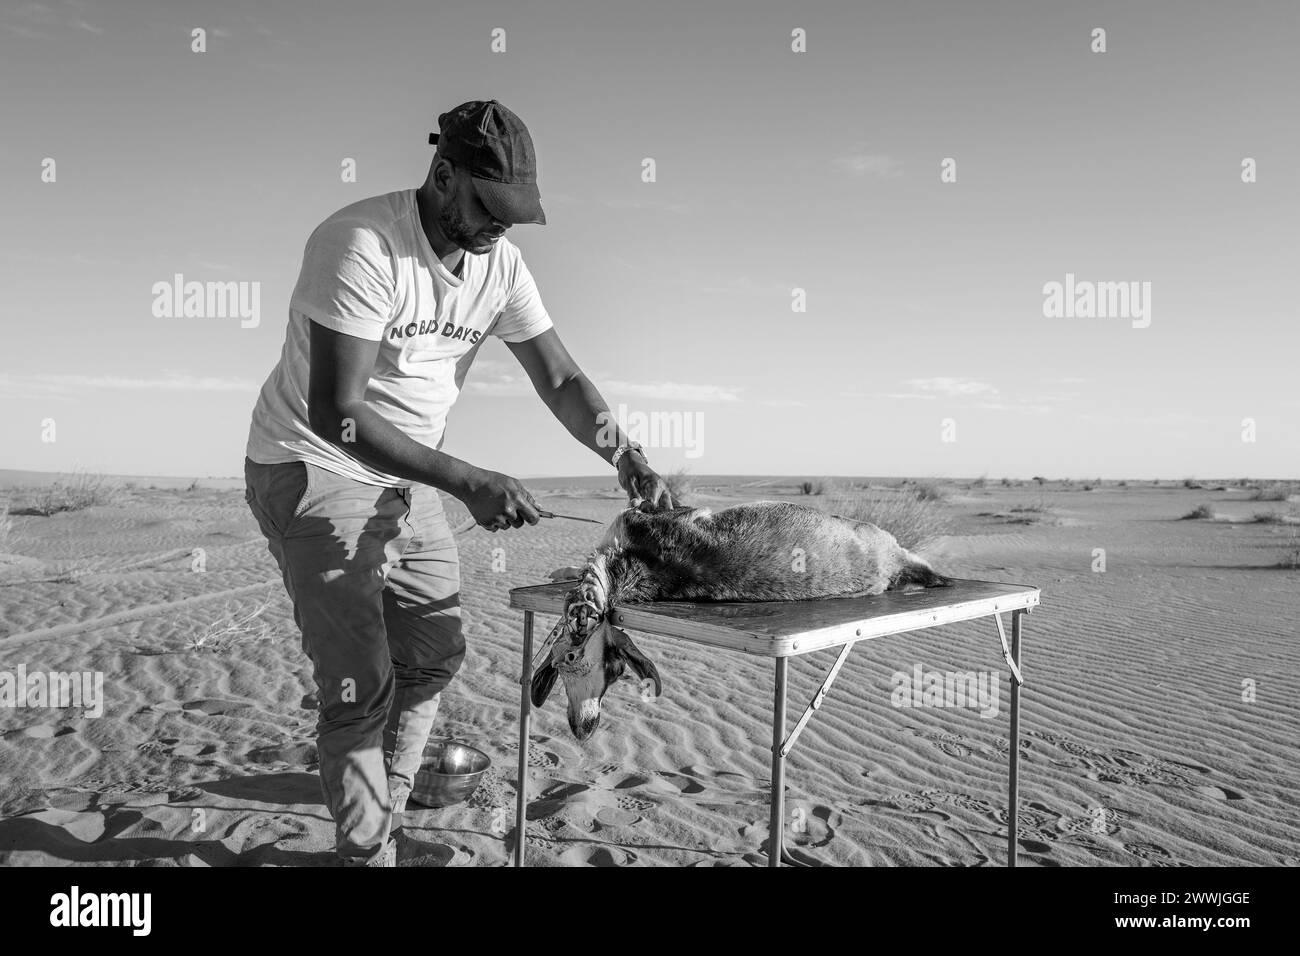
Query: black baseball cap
[[492, 144]]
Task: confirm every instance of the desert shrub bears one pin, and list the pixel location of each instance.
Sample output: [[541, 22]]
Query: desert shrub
[[679, 485], [1201, 511], [232, 626], [1291, 557], [916, 522], [928, 491], [1274, 491], [7, 536], [81, 490]]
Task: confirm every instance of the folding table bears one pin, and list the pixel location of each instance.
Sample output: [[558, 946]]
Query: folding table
[[785, 629]]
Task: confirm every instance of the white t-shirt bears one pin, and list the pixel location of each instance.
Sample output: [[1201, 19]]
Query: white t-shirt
[[369, 271]]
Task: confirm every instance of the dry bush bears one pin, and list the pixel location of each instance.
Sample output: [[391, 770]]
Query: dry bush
[[928, 491], [916, 522], [8, 538], [83, 489], [1274, 491], [1291, 557], [232, 627], [679, 485]]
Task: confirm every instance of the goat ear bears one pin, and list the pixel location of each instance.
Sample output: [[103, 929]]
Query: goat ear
[[640, 664], [543, 681]]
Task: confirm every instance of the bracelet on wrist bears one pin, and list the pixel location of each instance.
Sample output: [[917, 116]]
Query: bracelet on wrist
[[622, 450]]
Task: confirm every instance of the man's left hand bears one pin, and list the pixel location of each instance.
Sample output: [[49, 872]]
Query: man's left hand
[[645, 489]]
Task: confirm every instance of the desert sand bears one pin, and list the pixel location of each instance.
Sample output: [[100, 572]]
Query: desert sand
[[1137, 745]]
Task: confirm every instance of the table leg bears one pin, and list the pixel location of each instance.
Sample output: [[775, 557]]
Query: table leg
[[1014, 781], [776, 826], [525, 712]]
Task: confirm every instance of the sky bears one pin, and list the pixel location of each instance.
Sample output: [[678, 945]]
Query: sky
[[921, 342]]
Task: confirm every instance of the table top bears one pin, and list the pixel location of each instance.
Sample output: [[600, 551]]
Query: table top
[[791, 628]]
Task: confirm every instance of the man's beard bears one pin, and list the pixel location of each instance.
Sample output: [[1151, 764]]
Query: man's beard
[[452, 225]]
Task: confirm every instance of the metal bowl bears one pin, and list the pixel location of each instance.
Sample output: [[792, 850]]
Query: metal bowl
[[449, 774]]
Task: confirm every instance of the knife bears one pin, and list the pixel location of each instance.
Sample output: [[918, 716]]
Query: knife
[[470, 524], [549, 514]]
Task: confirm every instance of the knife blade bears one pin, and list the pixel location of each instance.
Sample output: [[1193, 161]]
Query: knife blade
[[551, 514], [469, 524]]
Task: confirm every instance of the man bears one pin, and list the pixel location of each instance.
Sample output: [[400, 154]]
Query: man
[[344, 467]]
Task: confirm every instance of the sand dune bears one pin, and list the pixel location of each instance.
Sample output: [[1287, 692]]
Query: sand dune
[[1137, 745]]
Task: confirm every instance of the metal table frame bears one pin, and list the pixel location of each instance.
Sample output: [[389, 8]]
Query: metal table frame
[[967, 600]]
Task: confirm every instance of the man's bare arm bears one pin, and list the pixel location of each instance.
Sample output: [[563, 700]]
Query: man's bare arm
[[341, 366], [579, 407]]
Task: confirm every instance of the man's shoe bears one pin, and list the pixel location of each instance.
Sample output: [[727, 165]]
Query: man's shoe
[[385, 857]]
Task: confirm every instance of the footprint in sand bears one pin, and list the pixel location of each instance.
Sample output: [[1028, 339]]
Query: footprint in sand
[[415, 852], [811, 825], [963, 801], [954, 745], [295, 755], [1100, 821], [491, 792], [1002, 748], [1218, 793], [739, 789], [1150, 852], [750, 859], [635, 804], [174, 747], [601, 856], [537, 757], [616, 817], [1030, 845], [215, 707], [41, 732], [536, 841], [1031, 815], [553, 797], [685, 784], [908, 803], [1134, 769]]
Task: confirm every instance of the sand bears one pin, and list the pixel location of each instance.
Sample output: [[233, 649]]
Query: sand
[[1137, 746]]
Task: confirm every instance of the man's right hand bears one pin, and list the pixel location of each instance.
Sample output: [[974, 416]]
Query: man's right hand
[[498, 501]]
